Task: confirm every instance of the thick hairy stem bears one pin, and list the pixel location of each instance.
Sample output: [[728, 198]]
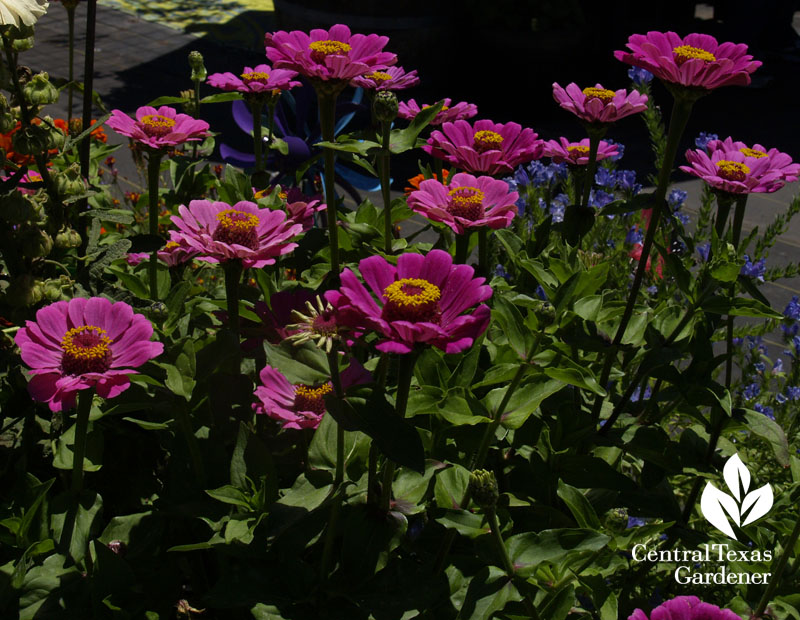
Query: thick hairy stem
[[327, 119], [383, 170]]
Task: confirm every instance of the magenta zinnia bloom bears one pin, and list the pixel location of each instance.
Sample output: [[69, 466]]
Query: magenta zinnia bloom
[[696, 61], [485, 147], [303, 212], [466, 202], [326, 55], [261, 79], [448, 114], [158, 128], [736, 168], [219, 232], [176, 252], [577, 153], [597, 104], [686, 608], [81, 344], [299, 405], [421, 301], [392, 78]]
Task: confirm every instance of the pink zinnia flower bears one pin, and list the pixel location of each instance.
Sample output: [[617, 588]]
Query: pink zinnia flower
[[738, 169], [466, 202], [176, 252], [81, 344], [136, 258], [332, 54], [686, 608], [261, 79], [577, 153], [219, 232], [392, 78], [448, 114], [597, 104], [696, 61], [487, 147], [303, 212], [421, 301], [158, 128], [299, 405]]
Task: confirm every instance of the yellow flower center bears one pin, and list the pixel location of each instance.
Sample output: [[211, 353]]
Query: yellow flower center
[[687, 52], [237, 227], [157, 125], [171, 245], [85, 349], [732, 170], [255, 76], [411, 299], [311, 399], [322, 49], [466, 202], [603, 94], [752, 153], [378, 76], [486, 140], [578, 151]]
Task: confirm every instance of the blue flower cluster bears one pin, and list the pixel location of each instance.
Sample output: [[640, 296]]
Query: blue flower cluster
[[703, 139], [624, 180], [536, 174], [557, 207], [754, 270], [640, 76]]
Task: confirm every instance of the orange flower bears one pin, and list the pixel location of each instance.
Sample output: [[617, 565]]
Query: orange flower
[[415, 181]]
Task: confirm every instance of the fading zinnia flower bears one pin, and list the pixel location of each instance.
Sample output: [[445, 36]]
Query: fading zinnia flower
[[686, 608], [577, 153], [448, 114], [736, 168], [596, 104], [158, 128], [81, 344], [255, 81], [466, 203], [21, 12], [485, 147], [326, 55], [696, 61], [219, 232], [299, 405], [424, 300], [391, 78]]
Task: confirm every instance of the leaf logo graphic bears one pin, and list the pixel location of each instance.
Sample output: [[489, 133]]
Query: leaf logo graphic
[[740, 506]]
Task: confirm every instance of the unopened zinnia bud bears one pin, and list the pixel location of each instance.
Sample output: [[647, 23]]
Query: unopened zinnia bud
[[545, 313], [483, 488], [199, 73], [385, 106], [68, 238], [39, 91]]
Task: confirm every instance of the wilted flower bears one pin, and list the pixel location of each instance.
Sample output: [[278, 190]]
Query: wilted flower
[[21, 12], [317, 325], [81, 344]]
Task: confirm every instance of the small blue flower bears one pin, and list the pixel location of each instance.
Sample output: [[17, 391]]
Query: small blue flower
[[683, 218], [780, 398], [640, 76], [737, 342], [777, 367], [539, 292], [793, 392], [637, 394], [605, 177], [790, 330], [792, 310], [598, 198], [676, 198], [620, 150], [635, 522], [754, 270], [767, 411], [558, 206], [611, 243], [703, 249], [760, 366], [751, 391], [653, 290], [626, 180], [501, 272], [703, 139], [634, 235]]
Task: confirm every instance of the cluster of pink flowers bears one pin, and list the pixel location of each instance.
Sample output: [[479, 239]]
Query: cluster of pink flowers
[[736, 168], [686, 608]]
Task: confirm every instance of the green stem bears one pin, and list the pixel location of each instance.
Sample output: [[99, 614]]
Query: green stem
[[591, 166], [383, 170], [330, 533], [333, 365], [777, 571], [71, 37], [185, 424], [255, 108], [233, 272], [483, 251], [327, 120], [196, 113], [680, 116], [273, 101], [153, 167], [405, 373], [462, 247], [738, 219], [79, 447]]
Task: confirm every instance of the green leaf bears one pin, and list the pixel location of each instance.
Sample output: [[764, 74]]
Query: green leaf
[[579, 506], [511, 322], [322, 450], [229, 495], [62, 451], [451, 484], [465, 523], [770, 431], [621, 207], [167, 100], [739, 306], [238, 464], [350, 145], [65, 512], [523, 402], [401, 140], [488, 593], [574, 376], [529, 550], [221, 97]]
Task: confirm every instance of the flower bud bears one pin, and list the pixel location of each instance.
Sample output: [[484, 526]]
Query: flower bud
[[39, 91], [55, 137], [67, 238], [199, 73], [118, 547], [34, 242], [483, 488], [7, 120], [69, 182], [16, 208], [385, 106], [157, 311], [189, 106], [616, 520], [24, 290], [30, 140], [545, 313], [57, 289]]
